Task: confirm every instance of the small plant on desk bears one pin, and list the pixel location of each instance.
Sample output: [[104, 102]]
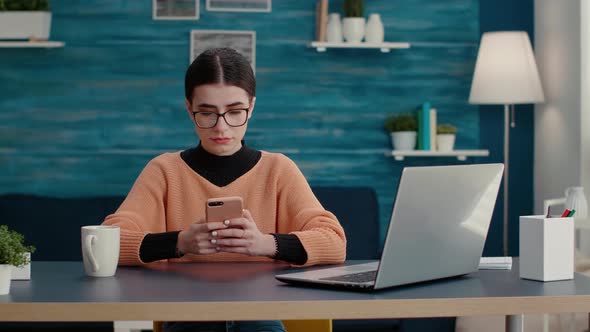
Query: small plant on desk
[[12, 254]]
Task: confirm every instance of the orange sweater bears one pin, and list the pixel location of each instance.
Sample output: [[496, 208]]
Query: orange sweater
[[168, 196]]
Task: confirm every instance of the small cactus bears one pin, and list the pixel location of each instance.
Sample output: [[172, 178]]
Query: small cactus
[[446, 129]]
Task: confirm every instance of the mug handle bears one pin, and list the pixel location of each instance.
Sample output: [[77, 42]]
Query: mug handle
[[88, 242]]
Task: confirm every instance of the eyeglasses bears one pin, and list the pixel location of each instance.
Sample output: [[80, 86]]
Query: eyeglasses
[[233, 118]]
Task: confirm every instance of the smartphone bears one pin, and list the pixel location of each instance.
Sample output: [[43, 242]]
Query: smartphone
[[223, 208]]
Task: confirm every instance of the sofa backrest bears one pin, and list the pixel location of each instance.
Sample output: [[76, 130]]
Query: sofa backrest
[[52, 225], [357, 210]]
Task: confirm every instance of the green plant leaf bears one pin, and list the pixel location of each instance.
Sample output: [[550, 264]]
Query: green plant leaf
[[12, 248], [446, 129], [353, 8], [401, 122], [24, 5]]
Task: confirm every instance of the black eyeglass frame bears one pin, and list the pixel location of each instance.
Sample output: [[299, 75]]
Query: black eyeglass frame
[[220, 115]]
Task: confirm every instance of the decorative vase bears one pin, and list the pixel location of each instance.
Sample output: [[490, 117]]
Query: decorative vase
[[445, 142], [374, 32], [403, 140], [334, 29], [5, 276], [353, 29]]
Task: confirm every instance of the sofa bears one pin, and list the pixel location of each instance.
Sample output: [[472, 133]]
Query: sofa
[[53, 224]]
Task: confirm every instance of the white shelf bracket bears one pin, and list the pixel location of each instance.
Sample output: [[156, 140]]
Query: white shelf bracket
[[462, 158], [385, 50]]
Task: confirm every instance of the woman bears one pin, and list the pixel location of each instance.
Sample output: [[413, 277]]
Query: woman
[[163, 216]]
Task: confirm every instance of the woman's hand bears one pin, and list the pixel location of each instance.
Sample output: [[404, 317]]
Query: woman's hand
[[197, 239], [242, 236]]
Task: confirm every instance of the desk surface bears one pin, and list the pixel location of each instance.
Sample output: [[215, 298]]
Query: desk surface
[[60, 291]]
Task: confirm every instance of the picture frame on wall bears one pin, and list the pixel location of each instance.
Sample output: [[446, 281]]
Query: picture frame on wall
[[245, 6], [243, 41], [175, 9]]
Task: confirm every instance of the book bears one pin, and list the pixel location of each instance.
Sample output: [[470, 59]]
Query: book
[[418, 135], [424, 126], [433, 129], [323, 20], [318, 14]]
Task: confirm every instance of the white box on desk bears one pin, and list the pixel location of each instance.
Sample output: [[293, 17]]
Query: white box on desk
[[546, 248]]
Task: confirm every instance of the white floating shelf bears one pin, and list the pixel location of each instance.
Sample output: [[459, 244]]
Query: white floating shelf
[[28, 44], [384, 47], [460, 154]]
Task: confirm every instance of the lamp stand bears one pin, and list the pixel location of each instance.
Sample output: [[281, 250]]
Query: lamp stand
[[506, 160]]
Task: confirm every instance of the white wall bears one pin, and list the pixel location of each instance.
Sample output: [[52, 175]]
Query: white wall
[[562, 123], [585, 91]]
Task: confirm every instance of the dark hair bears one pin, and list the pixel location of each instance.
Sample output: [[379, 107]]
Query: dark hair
[[220, 65]]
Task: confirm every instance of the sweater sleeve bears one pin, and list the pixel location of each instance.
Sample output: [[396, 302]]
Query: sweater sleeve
[[301, 214], [142, 212]]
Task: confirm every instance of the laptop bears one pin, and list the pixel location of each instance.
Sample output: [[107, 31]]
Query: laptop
[[438, 227]]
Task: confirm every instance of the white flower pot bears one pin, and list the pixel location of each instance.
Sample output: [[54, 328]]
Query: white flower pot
[[353, 29], [5, 273], [445, 142], [403, 140], [25, 25], [374, 31]]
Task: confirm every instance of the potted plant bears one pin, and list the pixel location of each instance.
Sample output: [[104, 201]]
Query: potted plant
[[25, 19], [353, 24], [402, 129], [13, 253], [445, 137]]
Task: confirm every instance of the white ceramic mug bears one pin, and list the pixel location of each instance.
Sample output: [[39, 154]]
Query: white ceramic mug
[[100, 250]]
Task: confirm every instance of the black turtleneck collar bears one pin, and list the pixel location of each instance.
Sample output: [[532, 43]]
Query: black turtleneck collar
[[221, 170]]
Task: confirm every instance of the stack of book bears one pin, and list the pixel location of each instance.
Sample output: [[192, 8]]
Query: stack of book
[[426, 127]]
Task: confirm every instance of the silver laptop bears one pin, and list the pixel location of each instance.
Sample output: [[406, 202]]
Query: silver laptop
[[437, 229]]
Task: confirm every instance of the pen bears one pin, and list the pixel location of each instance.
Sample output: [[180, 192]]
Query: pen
[[571, 214], [565, 213], [549, 212]]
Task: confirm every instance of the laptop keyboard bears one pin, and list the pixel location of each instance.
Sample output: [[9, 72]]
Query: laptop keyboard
[[354, 277]]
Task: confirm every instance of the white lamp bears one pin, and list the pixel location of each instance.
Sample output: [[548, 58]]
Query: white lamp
[[506, 73]]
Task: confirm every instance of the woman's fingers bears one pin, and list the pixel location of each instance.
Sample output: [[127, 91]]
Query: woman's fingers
[[230, 232], [236, 250], [211, 226], [232, 242], [208, 251]]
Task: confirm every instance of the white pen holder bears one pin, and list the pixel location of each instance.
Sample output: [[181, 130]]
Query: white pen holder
[[546, 248]]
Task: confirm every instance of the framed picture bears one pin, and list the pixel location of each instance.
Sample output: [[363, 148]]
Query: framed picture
[[241, 40], [239, 5], [175, 9]]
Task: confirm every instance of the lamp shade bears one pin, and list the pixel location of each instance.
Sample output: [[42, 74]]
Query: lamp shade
[[505, 71]]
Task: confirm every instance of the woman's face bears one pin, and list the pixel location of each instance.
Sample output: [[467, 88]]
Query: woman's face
[[209, 100]]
